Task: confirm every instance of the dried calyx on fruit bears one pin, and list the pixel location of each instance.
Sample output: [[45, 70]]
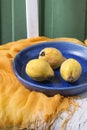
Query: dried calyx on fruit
[[53, 56]]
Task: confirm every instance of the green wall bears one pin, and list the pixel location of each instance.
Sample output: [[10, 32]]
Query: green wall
[[57, 18], [86, 22], [13, 20], [0, 21], [64, 18], [19, 19], [6, 21]]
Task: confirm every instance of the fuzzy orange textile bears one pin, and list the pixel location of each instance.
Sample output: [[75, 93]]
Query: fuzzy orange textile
[[19, 106]]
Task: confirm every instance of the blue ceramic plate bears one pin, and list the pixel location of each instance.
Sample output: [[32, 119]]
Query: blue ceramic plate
[[56, 85]]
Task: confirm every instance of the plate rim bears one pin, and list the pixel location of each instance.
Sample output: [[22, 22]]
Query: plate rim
[[41, 86]]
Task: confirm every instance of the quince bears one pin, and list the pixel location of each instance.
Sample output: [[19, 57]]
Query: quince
[[53, 56], [70, 70], [39, 70]]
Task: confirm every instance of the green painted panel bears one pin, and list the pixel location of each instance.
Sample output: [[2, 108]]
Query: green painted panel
[[64, 18], [86, 22], [41, 11], [0, 21], [13, 20], [71, 19], [19, 19], [6, 23], [57, 18]]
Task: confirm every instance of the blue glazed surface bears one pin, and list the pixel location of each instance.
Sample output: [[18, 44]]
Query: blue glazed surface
[[57, 84]]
